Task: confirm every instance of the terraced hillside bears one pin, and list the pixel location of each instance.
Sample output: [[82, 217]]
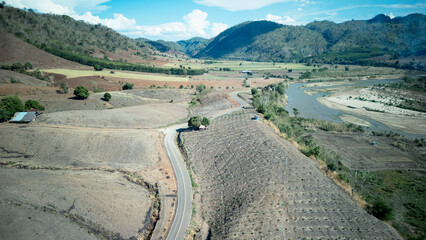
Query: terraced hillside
[[255, 185]]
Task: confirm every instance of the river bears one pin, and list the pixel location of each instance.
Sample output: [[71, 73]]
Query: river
[[309, 107]]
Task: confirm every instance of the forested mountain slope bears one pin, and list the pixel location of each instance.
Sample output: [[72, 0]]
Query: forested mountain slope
[[324, 41]]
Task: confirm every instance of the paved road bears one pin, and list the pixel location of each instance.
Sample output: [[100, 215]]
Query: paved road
[[184, 195]]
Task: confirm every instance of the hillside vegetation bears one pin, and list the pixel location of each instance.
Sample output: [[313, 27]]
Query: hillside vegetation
[[323, 41], [81, 42]]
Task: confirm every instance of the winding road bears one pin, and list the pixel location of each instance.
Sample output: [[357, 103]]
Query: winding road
[[184, 195]]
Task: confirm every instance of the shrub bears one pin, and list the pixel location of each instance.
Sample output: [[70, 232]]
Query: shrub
[[381, 210], [197, 121], [28, 65], [9, 105], [33, 104], [81, 92], [200, 88], [181, 86], [64, 87], [332, 166], [128, 86], [205, 121], [107, 96]]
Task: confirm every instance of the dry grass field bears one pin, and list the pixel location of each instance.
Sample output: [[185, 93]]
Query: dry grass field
[[105, 172], [255, 185]]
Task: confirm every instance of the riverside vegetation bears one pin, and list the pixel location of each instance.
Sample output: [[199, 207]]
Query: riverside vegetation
[[390, 195]]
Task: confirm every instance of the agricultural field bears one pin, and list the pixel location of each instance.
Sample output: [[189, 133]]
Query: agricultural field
[[70, 73], [240, 65], [251, 184]]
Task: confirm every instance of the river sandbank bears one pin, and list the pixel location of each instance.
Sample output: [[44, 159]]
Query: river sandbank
[[366, 102]]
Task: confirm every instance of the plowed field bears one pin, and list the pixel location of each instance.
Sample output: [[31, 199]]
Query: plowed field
[[255, 185]]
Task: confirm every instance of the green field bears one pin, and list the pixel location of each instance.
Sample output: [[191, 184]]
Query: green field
[[117, 74], [235, 65]]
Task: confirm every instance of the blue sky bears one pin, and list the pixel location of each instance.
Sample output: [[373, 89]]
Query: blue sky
[[176, 20]]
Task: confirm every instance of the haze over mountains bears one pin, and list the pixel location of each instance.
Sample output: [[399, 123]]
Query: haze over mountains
[[358, 41]]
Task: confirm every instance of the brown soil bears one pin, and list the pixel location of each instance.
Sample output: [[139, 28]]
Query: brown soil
[[213, 103], [15, 50], [255, 185], [7, 76], [104, 181], [144, 116], [363, 155]]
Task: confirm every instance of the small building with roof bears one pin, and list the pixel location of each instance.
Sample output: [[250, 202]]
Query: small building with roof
[[23, 117]]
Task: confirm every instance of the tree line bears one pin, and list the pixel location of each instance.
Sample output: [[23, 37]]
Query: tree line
[[110, 64]]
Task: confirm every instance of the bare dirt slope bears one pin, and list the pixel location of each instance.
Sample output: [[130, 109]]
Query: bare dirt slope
[[255, 185], [10, 76], [144, 116], [214, 103], [113, 183], [15, 50], [105, 200], [363, 155]]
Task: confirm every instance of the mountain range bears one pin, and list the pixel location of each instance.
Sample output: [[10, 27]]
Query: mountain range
[[357, 41]]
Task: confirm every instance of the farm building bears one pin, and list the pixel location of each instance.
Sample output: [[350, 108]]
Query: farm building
[[23, 117]]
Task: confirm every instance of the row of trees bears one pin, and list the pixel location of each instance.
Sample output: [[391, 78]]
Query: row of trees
[[99, 64], [22, 68]]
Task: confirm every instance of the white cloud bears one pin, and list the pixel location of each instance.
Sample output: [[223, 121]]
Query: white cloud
[[237, 5], [119, 22], [280, 19], [43, 6], [62, 7], [175, 28], [196, 22], [218, 28], [390, 15], [193, 24], [300, 9]]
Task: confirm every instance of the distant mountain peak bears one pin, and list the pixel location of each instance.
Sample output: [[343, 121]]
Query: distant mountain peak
[[381, 18]]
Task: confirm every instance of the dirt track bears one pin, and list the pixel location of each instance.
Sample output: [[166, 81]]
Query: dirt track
[[70, 170], [240, 165]]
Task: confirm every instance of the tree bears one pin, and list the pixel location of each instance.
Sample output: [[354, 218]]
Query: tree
[[254, 92], [128, 86], [295, 111], [98, 67], [28, 65], [205, 121], [381, 210], [181, 86], [64, 87], [197, 121], [9, 105], [81, 92], [33, 104], [107, 97]]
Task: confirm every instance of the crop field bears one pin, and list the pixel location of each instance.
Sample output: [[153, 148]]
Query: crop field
[[355, 72], [255, 185], [250, 66], [70, 73]]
